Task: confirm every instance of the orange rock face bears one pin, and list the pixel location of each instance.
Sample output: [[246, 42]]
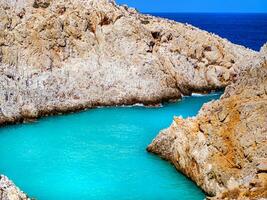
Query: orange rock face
[[224, 148]]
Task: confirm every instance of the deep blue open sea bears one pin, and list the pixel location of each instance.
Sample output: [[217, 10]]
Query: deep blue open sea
[[249, 30]]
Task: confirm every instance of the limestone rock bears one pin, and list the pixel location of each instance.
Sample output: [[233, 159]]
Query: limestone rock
[[66, 55], [264, 49], [224, 148], [29, 111], [8, 191], [41, 3]]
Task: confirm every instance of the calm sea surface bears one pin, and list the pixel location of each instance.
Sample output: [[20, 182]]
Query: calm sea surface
[[249, 30], [100, 154]]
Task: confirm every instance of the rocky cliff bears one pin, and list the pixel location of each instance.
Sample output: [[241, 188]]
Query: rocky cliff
[[224, 148], [66, 55]]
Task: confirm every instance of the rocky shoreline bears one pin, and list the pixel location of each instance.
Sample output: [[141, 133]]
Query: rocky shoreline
[[223, 149], [101, 54], [68, 55], [8, 191]]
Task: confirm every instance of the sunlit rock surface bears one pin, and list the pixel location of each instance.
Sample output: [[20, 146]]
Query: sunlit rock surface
[[8, 191], [224, 148], [66, 55]]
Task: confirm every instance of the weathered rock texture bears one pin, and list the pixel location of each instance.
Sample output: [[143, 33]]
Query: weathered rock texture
[[224, 148], [64, 55], [8, 191]]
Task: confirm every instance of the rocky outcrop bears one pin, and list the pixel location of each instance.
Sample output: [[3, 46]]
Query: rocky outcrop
[[65, 55], [8, 191], [224, 148]]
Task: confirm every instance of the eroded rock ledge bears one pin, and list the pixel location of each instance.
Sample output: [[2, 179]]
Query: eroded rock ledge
[[65, 55], [224, 148]]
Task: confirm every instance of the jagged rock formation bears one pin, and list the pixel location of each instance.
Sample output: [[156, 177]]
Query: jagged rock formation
[[8, 191], [224, 148], [66, 55]]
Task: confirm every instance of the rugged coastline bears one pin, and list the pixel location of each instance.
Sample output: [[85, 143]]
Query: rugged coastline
[[101, 54], [67, 55], [223, 149]]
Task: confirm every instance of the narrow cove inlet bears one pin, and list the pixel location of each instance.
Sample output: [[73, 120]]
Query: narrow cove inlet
[[97, 154]]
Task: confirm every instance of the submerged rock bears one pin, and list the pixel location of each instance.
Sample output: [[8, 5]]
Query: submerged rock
[[66, 55], [223, 149], [8, 191]]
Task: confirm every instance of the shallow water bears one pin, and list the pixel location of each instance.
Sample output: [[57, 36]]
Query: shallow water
[[97, 154]]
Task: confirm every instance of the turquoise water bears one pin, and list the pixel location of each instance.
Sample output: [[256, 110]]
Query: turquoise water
[[98, 154]]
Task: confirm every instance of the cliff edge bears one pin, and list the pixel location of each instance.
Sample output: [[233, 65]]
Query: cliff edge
[[224, 148], [67, 55]]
